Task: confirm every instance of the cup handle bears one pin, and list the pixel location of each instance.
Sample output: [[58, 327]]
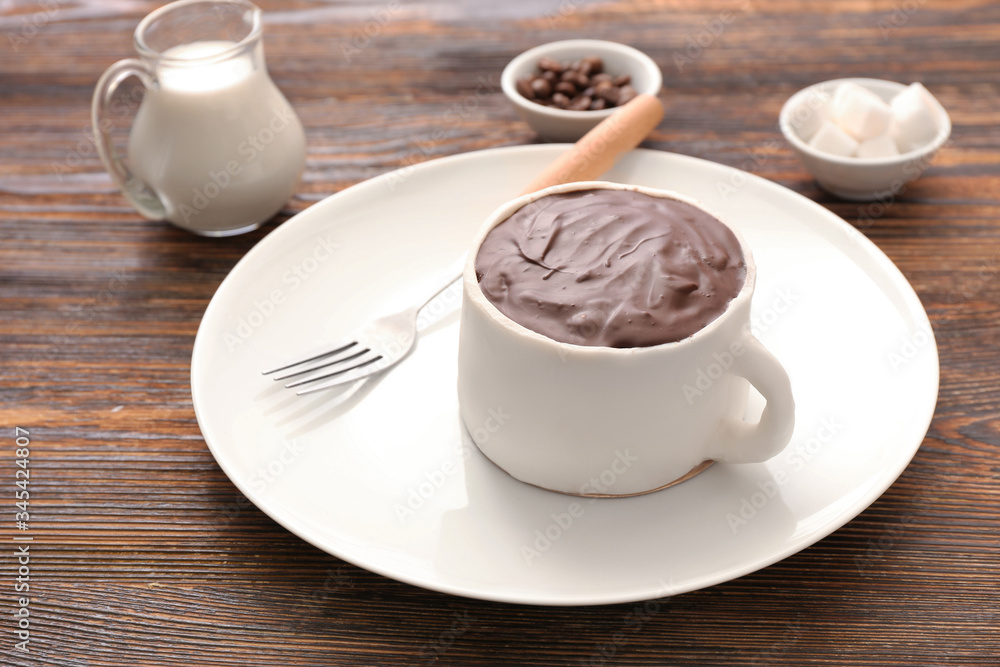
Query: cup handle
[[138, 193], [743, 442]]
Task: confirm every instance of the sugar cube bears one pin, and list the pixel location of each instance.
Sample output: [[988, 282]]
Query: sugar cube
[[810, 114], [881, 146], [831, 139], [913, 112], [860, 112]]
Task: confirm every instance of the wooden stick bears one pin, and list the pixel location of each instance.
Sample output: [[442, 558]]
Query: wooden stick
[[599, 149]]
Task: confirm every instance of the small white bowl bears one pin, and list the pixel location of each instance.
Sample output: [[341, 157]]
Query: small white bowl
[[861, 179], [561, 124]]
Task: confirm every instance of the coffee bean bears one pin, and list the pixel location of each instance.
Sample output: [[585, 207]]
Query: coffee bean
[[626, 93], [524, 88], [577, 79], [580, 85], [551, 65], [595, 64], [606, 91], [566, 88], [541, 88]]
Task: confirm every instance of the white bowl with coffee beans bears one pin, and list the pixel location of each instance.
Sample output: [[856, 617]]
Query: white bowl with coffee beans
[[563, 89]]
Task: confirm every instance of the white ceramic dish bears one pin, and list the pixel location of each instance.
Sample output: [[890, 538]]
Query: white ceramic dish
[[386, 478], [861, 179], [562, 124]]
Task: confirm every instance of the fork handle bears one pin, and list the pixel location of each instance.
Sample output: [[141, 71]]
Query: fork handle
[[597, 151], [443, 280]]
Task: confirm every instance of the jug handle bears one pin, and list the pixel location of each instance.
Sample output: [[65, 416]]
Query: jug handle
[[139, 194]]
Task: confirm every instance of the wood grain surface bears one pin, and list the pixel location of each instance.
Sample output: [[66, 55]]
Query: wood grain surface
[[144, 552]]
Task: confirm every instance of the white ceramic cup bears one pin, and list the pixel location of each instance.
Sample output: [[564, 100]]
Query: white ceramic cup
[[601, 421]]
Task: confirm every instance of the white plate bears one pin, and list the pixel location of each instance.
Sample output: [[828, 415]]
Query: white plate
[[386, 478]]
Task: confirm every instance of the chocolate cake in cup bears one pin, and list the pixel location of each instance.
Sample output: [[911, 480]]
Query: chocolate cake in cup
[[605, 345]]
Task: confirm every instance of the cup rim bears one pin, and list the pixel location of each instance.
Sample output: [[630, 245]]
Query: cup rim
[[508, 78], [784, 122], [477, 298], [256, 28]]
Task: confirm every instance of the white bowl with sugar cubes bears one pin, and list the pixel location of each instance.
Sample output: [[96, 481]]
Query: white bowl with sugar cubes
[[865, 139]]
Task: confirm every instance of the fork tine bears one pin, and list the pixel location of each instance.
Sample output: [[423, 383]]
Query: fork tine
[[359, 372], [311, 357], [324, 361], [359, 364]]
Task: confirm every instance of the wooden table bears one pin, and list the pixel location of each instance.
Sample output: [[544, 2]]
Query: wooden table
[[143, 551]]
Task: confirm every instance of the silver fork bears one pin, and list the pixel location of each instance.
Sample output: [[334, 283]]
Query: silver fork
[[375, 347]]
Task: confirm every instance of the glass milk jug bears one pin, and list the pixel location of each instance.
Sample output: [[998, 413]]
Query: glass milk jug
[[214, 148]]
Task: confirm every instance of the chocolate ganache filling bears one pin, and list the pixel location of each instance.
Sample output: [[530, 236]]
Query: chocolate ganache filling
[[612, 268]]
